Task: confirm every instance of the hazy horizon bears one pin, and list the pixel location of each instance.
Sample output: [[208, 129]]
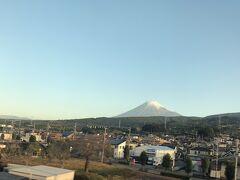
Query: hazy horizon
[[78, 59]]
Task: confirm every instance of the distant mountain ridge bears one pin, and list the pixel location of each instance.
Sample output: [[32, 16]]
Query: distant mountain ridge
[[149, 109], [235, 114], [12, 117]]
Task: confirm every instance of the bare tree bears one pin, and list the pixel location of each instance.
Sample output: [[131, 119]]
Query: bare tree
[[87, 153], [59, 150]]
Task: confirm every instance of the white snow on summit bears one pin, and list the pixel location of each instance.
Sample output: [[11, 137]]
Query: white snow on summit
[[148, 109]]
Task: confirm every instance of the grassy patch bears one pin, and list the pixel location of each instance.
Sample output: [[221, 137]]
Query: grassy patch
[[122, 172], [79, 175]]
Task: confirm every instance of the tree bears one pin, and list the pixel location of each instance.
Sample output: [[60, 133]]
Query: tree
[[14, 136], [12, 150], [18, 137], [32, 149], [205, 165], [206, 132], [153, 128], [166, 163], [143, 158], [108, 151], [126, 152], [87, 130], [49, 139], [189, 165], [230, 171], [87, 153], [59, 150], [32, 138], [2, 136]]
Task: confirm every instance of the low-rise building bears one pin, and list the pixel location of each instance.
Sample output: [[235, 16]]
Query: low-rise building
[[55, 136], [118, 146], [43, 173], [153, 151], [2, 146], [68, 135], [201, 151], [28, 135], [6, 136]]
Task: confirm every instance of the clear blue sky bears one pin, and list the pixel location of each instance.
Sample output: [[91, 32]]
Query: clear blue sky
[[76, 59]]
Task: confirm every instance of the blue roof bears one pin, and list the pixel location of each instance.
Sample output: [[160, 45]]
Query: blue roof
[[66, 134], [116, 141], [165, 148]]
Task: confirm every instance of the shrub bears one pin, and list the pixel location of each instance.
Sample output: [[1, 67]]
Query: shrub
[[175, 175], [87, 176], [123, 162]]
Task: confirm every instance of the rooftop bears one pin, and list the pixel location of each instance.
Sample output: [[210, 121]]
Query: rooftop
[[116, 141], [41, 170]]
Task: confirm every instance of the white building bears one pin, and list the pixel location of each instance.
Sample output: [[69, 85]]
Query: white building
[[7, 136], [28, 135], [43, 173], [2, 146], [118, 146], [154, 151]]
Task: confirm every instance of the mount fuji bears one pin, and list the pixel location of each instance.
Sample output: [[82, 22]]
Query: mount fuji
[[148, 109]]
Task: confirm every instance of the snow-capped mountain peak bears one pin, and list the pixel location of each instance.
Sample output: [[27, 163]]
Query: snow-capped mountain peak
[[148, 109], [154, 104]]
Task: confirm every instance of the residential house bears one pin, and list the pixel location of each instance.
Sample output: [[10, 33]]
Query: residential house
[[55, 136], [6, 136], [201, 151], [28, 135], [68, 135], [118, 146]]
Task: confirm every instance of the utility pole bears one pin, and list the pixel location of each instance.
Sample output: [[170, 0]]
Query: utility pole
[[34, 127], [236, 160], [165, 122], [12, 126], [129, 136], [104, 141], [119, 124], [216, 161], [47, 132], [219, 123], [19, 127], [75, 129], [48, 127]]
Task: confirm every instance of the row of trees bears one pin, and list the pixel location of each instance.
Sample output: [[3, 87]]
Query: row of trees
[[60, 150]]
